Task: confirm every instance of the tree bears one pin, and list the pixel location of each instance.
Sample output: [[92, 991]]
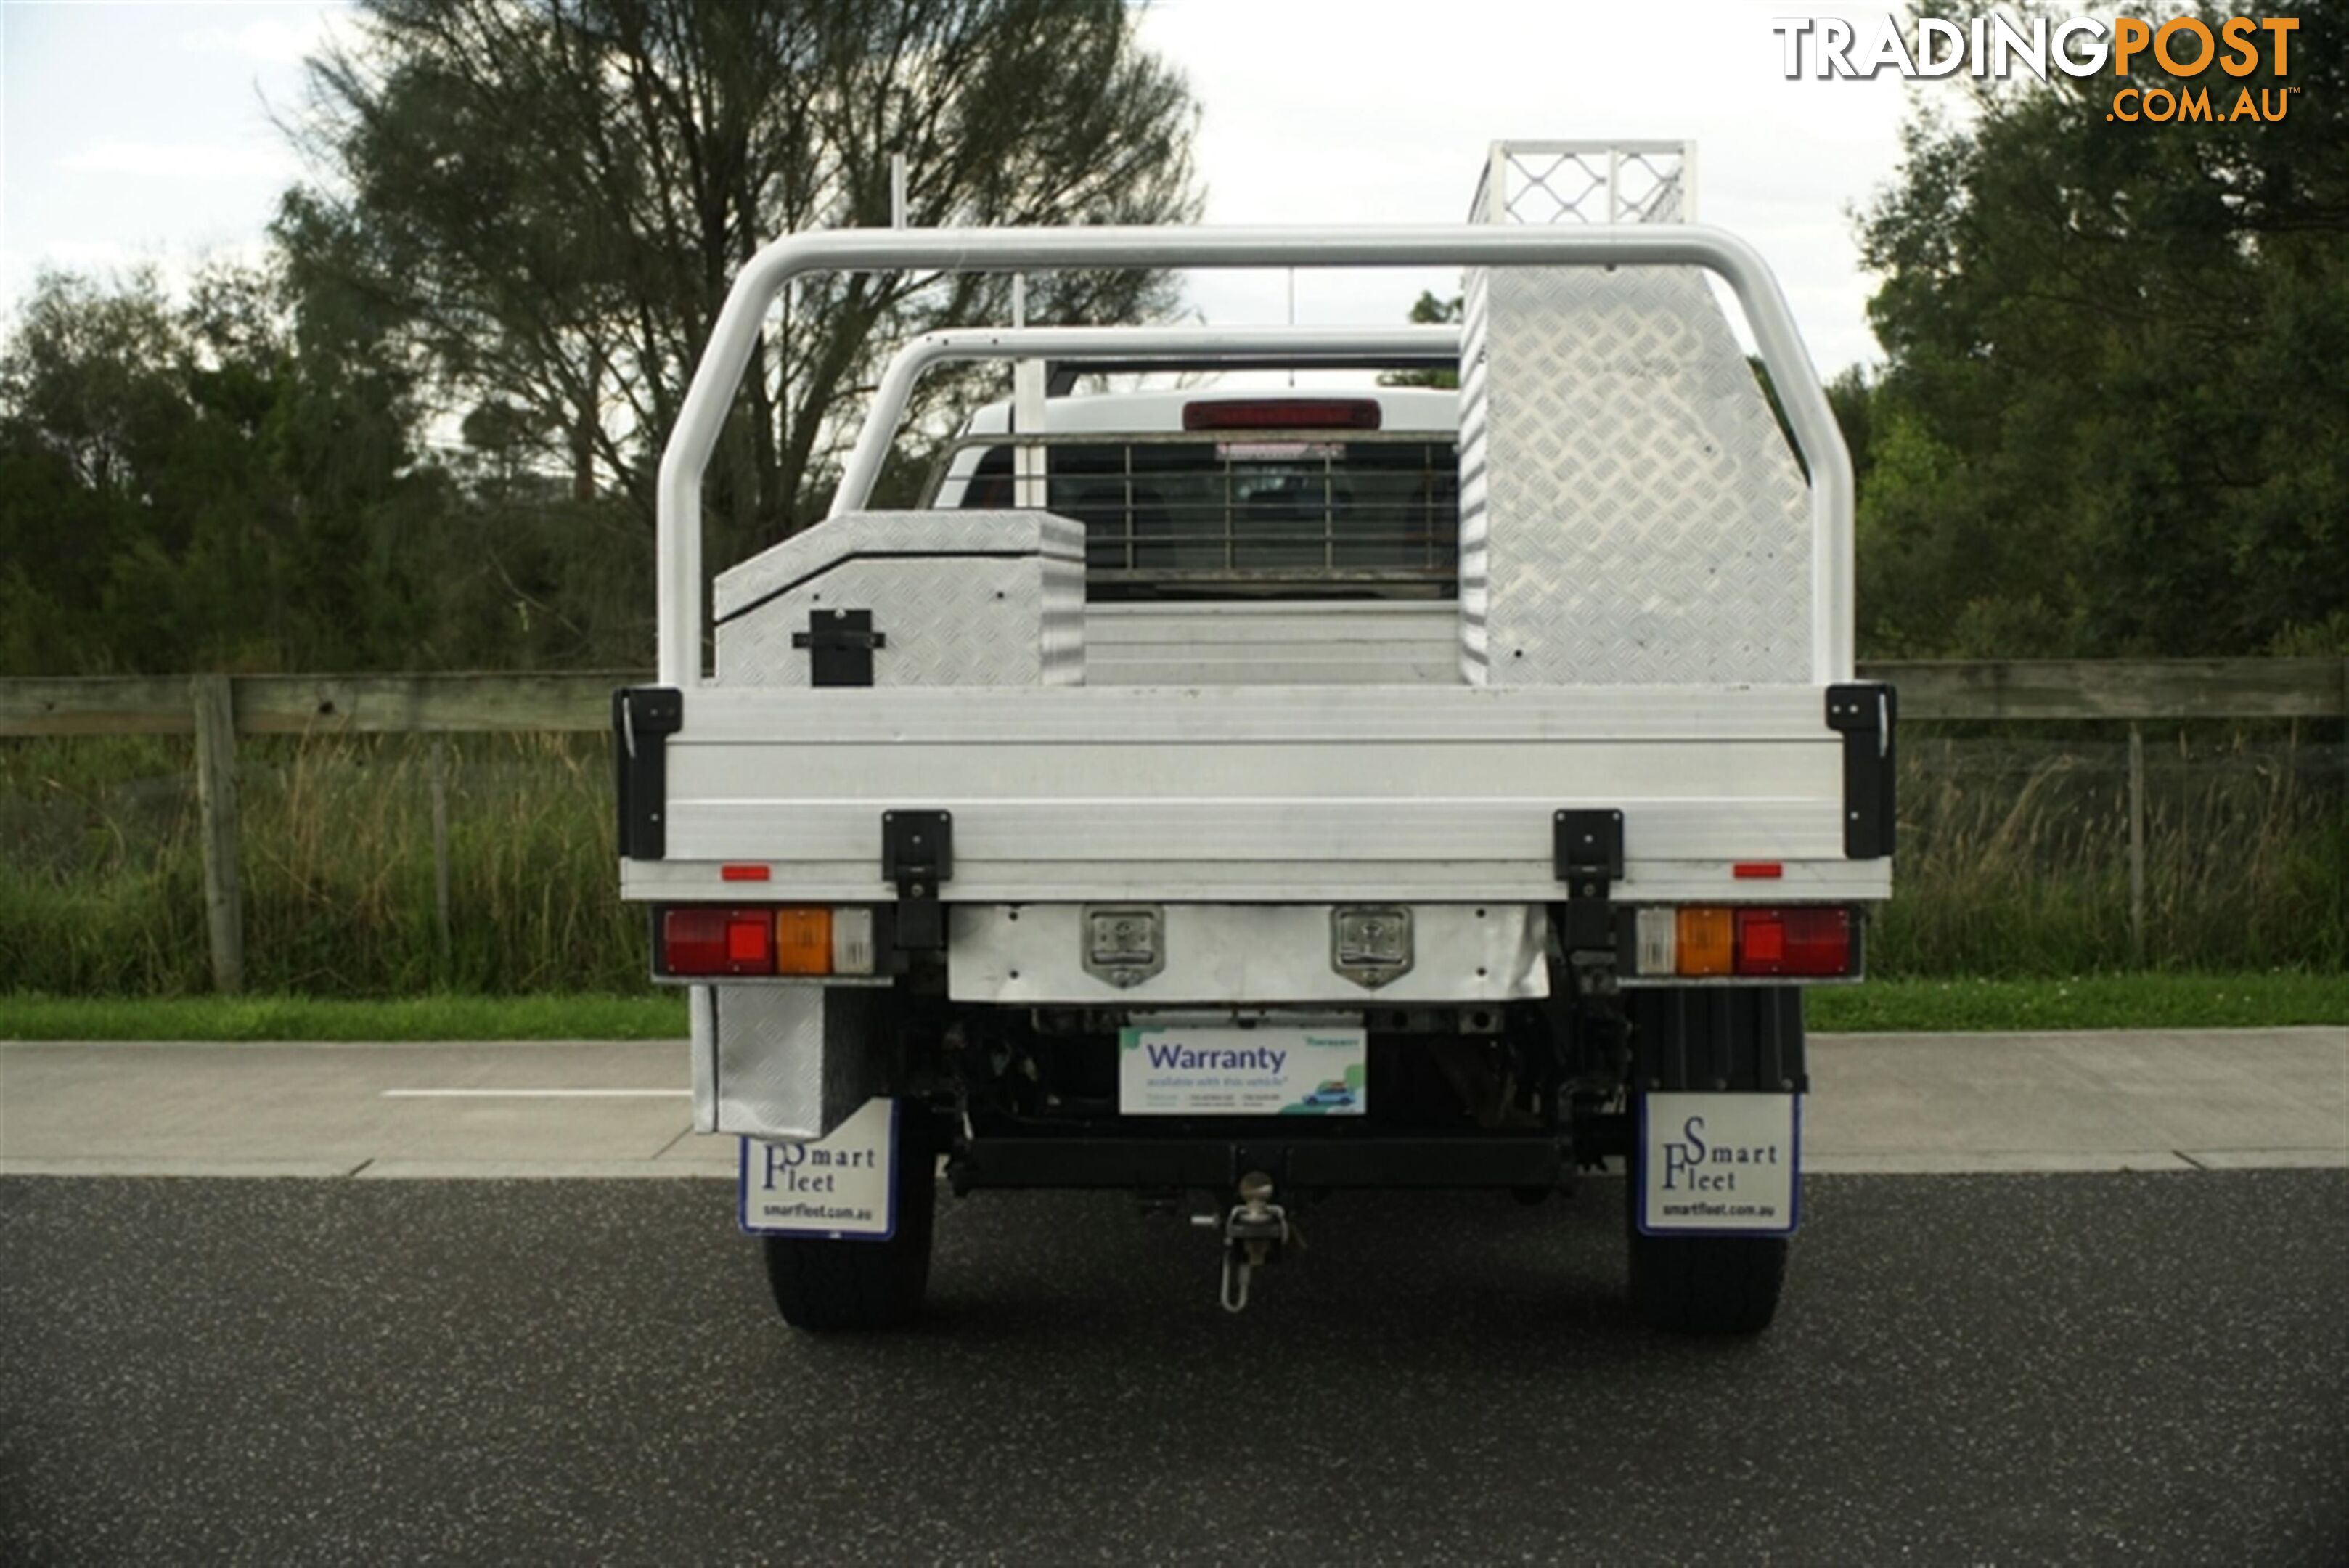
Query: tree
[[2114, 417], [550, 197], [208, 483], [1429, 311]]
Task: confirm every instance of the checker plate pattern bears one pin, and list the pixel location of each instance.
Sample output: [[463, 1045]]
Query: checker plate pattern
[[965, 598], [789, 1061], [811, 550], [1641, 518], [1475, 477]]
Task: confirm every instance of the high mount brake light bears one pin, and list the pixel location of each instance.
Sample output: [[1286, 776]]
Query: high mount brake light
[[1283, 414]]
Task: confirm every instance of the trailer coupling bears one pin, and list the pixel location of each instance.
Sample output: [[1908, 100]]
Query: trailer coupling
[[1254, 1233]]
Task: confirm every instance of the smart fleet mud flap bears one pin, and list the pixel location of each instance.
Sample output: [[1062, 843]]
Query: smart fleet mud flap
[[1719, 1164], [840, 1188]]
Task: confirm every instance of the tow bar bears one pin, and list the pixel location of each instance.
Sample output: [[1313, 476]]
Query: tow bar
[[1253, 1232]]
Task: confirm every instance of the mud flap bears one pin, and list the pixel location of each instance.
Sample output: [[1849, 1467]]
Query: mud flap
[[1719, 1164], [839, 1187]]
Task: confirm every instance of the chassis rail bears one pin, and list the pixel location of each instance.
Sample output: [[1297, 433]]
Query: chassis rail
[[1216, 1164]]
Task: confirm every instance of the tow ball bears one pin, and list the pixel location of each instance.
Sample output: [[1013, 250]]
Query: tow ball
[[1253, 1232]]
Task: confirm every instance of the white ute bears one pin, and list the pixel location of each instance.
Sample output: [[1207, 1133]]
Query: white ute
[[1259, 794]]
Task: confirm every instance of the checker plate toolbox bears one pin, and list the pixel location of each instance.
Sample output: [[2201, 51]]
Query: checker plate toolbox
[[1619, 749]]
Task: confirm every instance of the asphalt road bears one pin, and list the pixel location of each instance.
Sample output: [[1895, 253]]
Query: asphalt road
[[1980, 1369]]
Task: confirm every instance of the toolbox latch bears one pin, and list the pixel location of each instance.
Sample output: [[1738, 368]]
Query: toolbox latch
[[840, 644]]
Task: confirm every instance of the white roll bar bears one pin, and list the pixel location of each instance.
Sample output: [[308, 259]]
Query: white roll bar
[[703, 416], [1298, 345]]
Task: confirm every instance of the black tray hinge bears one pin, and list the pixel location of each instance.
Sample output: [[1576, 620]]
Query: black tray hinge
[[1587, 855], [1865, 713], [840, 644], [917, 854], [643, 719]]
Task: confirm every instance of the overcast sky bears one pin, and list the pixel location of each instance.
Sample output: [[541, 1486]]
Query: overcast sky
[[141, 131]]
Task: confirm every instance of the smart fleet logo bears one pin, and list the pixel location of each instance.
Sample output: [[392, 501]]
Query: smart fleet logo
[[1695, 1163], [813, 1167], [2185, 48]]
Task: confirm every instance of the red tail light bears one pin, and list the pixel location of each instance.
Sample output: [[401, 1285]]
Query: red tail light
[[1283, 414], [717, 941], [1793, 941]]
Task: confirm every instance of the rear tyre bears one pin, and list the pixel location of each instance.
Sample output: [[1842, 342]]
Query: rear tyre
[[1707, 1284], [825, 1286], [1703, 1285]]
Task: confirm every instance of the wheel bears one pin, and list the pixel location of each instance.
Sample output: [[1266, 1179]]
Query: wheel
[[823, 1286], [1703, 1285]]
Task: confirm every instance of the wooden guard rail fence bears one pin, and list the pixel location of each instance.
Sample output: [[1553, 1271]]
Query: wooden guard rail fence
[[216, 709]]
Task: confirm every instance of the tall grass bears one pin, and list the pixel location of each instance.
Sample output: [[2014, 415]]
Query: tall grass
[[100, 874], [2014, 855], [2011, 863]]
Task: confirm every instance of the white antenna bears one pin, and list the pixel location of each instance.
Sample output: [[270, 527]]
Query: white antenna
[[1028, 390]]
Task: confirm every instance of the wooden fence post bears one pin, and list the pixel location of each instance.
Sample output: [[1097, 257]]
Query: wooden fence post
[[213, 700], [2136, 844], [440, 851]]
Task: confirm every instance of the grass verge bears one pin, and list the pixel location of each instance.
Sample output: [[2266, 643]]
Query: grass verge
[[2088, 1001], [660, 1016]]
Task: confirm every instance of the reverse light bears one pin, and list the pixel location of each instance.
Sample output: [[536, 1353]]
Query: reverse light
[[1657, 931], [852, 942], [1283, 414]]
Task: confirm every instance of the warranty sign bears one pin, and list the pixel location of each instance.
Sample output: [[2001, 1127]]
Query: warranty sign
[[1311, 1069]]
